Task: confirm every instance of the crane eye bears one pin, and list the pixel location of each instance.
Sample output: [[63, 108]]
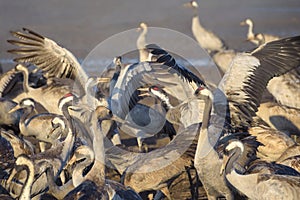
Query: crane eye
[[155, 88], [68, 95], [199, 89]]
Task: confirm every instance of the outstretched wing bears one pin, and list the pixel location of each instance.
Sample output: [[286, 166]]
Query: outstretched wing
[[159, 55], [47, 55], [162, 70], [249, 74]]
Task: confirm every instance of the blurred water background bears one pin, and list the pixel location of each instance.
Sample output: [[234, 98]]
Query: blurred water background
[[80, 25]]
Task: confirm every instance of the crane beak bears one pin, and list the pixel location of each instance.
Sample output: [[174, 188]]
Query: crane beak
[[242, 23], [144, 95], [248, 40], [103, 80], [144, 92], [117, 119], [14, 109], [143, 89], [187, 5], [224, 163]]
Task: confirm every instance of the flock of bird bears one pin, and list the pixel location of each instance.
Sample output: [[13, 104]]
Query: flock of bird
[[61, 131]]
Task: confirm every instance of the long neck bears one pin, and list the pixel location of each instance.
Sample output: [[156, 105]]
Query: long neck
[[238, 181], [97, 173], [25, 195], [230, 164], [141, 41], [141, 44], [23, 119], [89, 97], [196, 25], [204, 145], [250, 33], [25, 73], [59, 192], [77, 174], [166, 102], [68, 143]]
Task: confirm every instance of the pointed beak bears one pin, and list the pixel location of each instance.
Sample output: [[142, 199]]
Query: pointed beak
[[143, 89], [187, 5], [144, 92], [14, 109], [117, 119], [144, 95], [242, 23], [103, 80], [247, 40], [138, 29], [224, 163]]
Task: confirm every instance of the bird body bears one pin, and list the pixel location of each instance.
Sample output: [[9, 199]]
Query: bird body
[[157, 169], [223, 59], [285, 89], [287, 93], [46, 127], [272, 139], [206, 158], [56, 156], [280, 117], [207, 39], [47, 95], [291, 157], [184, 114], [137, 75], [259, 185], [242, 85], [257, 39]]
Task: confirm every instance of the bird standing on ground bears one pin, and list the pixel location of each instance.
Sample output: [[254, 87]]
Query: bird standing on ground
[[257, 39], [207, 39]]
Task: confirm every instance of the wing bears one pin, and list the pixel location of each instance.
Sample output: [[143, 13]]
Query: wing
[[53, 59], [141, 74], [8, 80], [161, 56], [163, 70], [249, 74]]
